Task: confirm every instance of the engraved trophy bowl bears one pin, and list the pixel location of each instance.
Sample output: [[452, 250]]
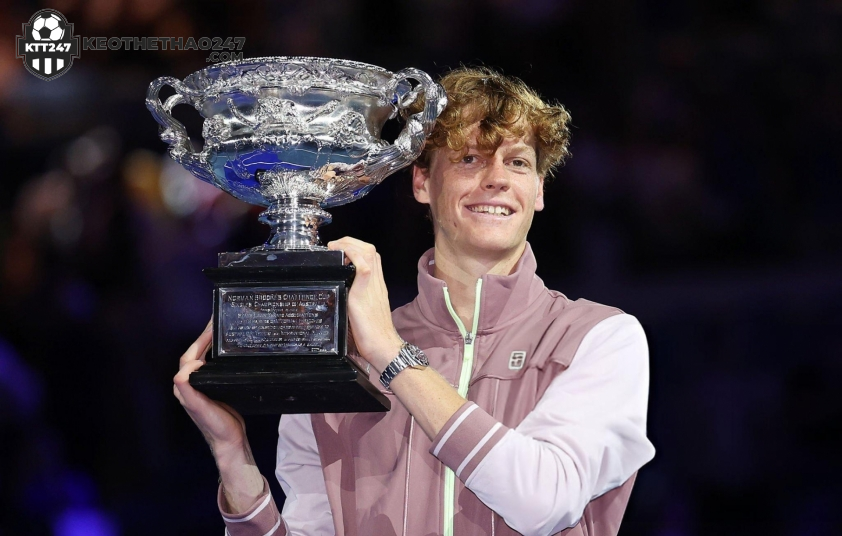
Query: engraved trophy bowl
[[296, 135]]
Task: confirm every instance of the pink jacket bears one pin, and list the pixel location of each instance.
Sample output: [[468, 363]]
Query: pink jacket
[[549, 441]]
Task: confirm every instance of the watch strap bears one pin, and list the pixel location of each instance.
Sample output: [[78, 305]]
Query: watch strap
[[408, 356]]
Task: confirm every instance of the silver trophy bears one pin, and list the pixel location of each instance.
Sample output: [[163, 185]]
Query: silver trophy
[[296, 135]]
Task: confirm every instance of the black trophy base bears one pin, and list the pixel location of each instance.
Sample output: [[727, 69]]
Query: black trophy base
[[280, 336], [265, 389]]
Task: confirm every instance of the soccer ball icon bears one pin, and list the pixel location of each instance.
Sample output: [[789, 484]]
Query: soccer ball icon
[[47, 27]]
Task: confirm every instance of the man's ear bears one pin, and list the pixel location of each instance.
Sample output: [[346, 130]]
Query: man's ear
[[539, 199], [420, 182]]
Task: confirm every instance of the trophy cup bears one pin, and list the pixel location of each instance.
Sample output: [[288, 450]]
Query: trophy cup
[[296, 135]]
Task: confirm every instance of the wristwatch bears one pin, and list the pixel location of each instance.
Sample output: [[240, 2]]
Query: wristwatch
[[409, 356]]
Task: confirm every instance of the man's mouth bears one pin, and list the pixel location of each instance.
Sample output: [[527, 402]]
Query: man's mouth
[[490, 209]]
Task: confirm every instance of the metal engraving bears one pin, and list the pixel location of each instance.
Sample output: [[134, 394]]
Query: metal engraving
[[278, 320], [296, 135]]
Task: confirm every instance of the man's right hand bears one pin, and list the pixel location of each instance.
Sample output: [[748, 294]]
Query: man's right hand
[[224, 430], [222, 426]]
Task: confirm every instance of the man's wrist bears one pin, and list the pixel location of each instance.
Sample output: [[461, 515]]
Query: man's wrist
[[241, 490], [409, 356], [239, 476], [385, 356]]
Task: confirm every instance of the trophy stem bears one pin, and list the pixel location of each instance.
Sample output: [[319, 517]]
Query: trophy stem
[[295, 224]]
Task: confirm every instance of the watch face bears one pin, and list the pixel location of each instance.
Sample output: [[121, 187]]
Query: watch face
[[421, 358]]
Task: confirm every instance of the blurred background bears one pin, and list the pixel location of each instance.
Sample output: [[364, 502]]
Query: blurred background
[[703, 197]]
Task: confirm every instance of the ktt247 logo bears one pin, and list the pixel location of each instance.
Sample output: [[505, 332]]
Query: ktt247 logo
[[47, 45]]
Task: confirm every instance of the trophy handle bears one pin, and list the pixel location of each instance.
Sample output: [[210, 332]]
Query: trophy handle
[[418, 126], [172, 131]]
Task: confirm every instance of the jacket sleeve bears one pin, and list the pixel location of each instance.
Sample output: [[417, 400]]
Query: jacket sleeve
[[299, 470], [262, 518], [586, 436]]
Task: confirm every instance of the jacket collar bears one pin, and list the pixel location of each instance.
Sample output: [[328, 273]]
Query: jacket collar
[[503, 297]]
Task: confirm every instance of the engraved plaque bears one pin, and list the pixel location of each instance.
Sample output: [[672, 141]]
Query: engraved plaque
[[278, 320]]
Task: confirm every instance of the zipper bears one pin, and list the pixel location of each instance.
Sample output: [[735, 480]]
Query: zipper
[[469, 338]]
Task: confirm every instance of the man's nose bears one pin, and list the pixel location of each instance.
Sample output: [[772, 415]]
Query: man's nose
[[495, 176]]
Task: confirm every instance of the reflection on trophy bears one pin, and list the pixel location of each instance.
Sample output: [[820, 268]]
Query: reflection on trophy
[[296, 135]]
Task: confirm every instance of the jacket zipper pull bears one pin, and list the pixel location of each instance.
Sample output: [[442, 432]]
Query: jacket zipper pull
[[469, 338]]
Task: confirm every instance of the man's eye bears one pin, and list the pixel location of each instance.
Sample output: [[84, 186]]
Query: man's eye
[[469, 159], [518, 162]]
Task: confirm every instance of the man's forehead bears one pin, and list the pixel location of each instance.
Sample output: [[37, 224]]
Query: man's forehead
[[521, 136]]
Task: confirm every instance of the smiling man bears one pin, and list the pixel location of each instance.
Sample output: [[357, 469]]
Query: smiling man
[[517, 410]]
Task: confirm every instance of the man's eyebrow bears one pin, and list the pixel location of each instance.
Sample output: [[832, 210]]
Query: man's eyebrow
[[518, 146]]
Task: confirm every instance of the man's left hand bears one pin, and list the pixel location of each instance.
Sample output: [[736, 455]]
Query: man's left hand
[[368, 304]]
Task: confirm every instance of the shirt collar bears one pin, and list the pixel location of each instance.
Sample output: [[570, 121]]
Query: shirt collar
[[503, 297]]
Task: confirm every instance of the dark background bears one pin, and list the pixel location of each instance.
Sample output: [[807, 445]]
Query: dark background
[[703, 197]]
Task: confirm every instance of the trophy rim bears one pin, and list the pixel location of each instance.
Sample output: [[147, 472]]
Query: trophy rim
[[299, 59], [211, 72]]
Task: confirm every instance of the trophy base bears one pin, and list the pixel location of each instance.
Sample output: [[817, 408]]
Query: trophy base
[[280, 336], [278, 388]]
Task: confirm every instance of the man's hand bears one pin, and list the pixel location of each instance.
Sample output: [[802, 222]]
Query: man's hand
[[223, 428], [424, 393], [368, 304]]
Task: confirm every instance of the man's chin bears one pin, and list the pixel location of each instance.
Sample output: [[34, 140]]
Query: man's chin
[[493, 248]]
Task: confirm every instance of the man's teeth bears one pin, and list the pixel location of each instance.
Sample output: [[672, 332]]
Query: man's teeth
[[488, 209]]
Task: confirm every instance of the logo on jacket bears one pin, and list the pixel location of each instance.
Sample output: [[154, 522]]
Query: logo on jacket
[[47, 45], [517, 359]]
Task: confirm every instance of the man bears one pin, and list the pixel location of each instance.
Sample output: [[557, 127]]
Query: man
[[530, 416]]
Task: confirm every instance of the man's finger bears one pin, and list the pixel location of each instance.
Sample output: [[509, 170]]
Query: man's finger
[[356, 251], [181, 382], [357, 254], [197, 350], [336, 245], [345, 240]]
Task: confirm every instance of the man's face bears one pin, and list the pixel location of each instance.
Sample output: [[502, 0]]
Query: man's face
[[482, 204]]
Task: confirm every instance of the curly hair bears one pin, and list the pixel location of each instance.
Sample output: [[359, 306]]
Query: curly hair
[[503, 106]]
